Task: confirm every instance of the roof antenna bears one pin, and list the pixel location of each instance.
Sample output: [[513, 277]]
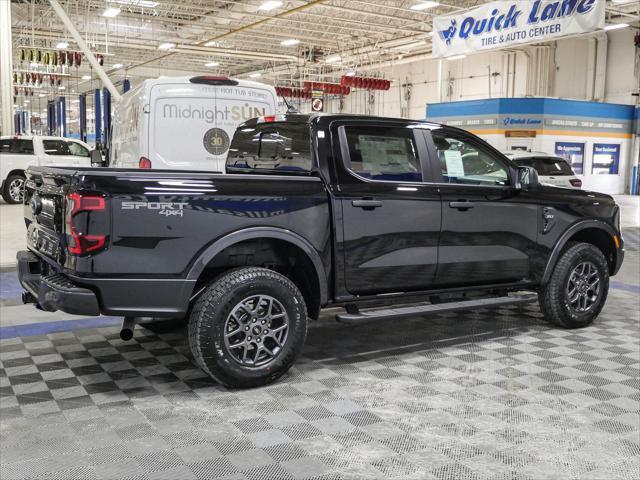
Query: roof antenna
[[290, 109]]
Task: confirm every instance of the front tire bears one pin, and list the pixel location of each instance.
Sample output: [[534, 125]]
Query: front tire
[[248, 327], [578, 287], [13, 191]]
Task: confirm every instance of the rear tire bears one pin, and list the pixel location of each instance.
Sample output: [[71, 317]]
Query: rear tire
[[248, 327], [578, 287], [13, 191]]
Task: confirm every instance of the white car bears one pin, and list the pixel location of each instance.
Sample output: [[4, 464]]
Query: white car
[[17, 153], [184, 123], [551, 169]]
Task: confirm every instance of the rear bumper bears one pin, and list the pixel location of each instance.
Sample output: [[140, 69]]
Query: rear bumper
[[53, 292], [127, 297]]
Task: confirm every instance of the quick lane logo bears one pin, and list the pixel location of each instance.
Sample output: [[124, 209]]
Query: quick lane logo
[[521, 121], [236, 113], [499, 21]]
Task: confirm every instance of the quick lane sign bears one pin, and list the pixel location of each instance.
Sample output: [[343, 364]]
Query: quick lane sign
[[501, 24]]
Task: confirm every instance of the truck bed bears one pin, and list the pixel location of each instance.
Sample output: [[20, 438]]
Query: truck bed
[[159, 224]]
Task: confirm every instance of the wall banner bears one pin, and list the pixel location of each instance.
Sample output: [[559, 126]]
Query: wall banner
[[572, 153], [501, 24], [606, 159]]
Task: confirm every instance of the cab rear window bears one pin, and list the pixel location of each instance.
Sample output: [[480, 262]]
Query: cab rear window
[[547, 166], [272, 147]]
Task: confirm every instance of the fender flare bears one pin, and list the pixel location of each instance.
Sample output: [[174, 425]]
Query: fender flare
[[262, 232], [564, 238]]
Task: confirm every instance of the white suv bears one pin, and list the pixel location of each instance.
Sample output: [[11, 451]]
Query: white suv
[[551, 169], [21, 152]]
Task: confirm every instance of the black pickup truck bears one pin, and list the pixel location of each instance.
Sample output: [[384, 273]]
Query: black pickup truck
[[387, 218]]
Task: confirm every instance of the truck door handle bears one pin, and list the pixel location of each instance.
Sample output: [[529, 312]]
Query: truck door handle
[[367, 204], [462, 206]]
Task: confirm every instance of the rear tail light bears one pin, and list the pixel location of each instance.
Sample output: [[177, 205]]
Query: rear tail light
[[144, 163], [85, 213], [576, 182]]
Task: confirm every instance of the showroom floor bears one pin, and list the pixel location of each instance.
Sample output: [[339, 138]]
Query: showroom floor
[[480, 394]]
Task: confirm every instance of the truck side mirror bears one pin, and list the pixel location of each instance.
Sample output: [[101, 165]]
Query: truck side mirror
[[96, 159], [527, 178]]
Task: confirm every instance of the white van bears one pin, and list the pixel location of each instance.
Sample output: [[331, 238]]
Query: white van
[[184, 123]]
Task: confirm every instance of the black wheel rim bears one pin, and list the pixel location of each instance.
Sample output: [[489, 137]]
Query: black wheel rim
[[255, 330], [583, 287], [16, 189]]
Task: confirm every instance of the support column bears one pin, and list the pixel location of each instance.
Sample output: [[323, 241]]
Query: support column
[[83, 117], [6, 69], [97, 110]]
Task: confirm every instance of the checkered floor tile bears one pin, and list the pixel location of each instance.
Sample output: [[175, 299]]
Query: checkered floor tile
[[487, 394]]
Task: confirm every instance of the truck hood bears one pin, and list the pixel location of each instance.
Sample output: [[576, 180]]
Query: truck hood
[[567, 194]]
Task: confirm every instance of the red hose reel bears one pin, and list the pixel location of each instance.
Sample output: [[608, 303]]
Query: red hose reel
[[366, 83]]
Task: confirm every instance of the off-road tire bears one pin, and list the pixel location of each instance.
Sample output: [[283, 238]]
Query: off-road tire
[[6, 191], [213, 307], [553, 298]]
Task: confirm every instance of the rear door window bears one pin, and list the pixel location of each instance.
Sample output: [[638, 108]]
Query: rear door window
[[272, 147], [56, 147], [383, 153], [16, 146]]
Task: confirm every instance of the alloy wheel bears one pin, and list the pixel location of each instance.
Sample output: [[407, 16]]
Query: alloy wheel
[[16, 190], [256, 330], [583, 287]]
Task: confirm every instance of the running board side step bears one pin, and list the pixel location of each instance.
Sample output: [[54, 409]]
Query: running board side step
[[418, 310]]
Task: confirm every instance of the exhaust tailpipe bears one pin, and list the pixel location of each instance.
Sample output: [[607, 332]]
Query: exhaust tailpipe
[[128, 324]]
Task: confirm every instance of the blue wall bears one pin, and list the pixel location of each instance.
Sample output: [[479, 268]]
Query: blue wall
[[531, 106]]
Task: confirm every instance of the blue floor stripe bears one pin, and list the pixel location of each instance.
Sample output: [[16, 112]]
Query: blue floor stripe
[[624, 286], [10, 288], [43, 328]]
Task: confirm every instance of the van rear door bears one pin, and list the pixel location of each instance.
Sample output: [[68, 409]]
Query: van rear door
[[192, 124]]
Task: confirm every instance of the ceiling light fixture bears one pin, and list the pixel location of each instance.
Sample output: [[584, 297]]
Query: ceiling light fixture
[[333, 58], [138, 3], [290, 42], [350, 73], [111, 12], [255, 75], [166, 46], [211, 64], [118, 65], [62, 87], [424, 5], [409, 46], [270, 5], [62, 45], [457, 57], [615, 26], [42, 95], [86, 77]]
